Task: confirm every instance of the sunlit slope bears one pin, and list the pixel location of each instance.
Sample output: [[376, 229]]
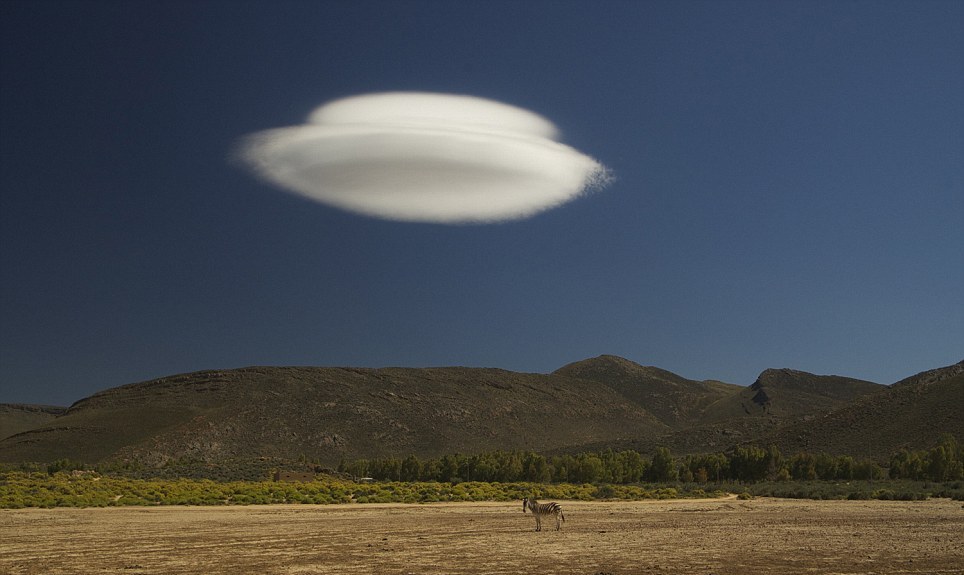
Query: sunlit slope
[[913, 413], [783, 394], [676, 401], [707, 416], [330, 413]]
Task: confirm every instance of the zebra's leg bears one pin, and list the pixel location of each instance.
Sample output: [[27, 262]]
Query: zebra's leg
[[538, 522], [558, 523]]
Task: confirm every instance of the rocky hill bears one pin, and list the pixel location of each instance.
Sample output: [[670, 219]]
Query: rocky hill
[[327, 414], [913, 414], [677, 402], [782, 394], [711, 415]]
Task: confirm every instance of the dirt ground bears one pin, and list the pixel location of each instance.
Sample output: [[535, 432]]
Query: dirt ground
[[702, 537]]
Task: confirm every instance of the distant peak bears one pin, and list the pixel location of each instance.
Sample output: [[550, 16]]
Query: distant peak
[[613, 359], [781, 372], [777, 377], [604, 361]]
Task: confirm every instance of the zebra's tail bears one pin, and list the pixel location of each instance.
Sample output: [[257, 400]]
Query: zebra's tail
[[563, 515]]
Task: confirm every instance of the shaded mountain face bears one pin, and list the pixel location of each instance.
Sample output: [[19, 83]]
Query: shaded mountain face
[[676, 401], [17, 417], [328, 414], [911, 414], [784, 394], [707, 416]]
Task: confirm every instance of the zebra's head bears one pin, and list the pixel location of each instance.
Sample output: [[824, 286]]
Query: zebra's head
[[525, 504]]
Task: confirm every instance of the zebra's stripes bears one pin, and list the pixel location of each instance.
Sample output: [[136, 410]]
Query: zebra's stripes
[[539, 510]]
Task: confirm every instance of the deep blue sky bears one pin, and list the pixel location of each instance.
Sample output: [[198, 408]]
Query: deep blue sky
[[790, 190]]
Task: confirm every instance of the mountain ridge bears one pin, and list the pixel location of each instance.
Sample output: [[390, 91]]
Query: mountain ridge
[[331, 413], [675, 400], [925, 405]]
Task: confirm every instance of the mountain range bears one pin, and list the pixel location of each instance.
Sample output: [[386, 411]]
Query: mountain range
[[329, 414]]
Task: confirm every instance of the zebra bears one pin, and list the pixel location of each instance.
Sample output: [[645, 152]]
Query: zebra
[[541, 509]]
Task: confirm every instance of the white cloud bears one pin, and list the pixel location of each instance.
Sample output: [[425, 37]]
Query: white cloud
[[425, 157]]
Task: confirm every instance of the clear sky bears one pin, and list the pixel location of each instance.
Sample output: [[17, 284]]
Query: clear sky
[[789, 190]]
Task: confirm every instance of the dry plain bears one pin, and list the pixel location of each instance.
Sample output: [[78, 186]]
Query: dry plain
[[720, 536]]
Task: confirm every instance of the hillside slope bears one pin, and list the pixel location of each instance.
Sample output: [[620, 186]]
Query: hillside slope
[[327, 414], [913, 414], [330, 413], [785, 394], [710, 415], [18, 417], [677, 402]]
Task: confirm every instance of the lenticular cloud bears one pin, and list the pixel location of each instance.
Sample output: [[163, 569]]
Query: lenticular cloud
[[425, 157]]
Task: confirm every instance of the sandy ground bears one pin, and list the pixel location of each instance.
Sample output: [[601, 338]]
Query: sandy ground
[[703, 537]]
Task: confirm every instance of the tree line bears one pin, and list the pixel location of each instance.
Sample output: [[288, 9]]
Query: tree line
[[744, 464], [940, 463]]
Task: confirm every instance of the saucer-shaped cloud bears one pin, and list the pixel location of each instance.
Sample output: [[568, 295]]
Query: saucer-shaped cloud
[[425, 157]]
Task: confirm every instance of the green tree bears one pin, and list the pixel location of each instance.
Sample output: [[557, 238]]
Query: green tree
[[410, 469], [511, 468], [537, 469], [589, 468], [562, 467], [944, 460], [449, 469], [825, 466], [907, 465], [845, 467], [867, 469], [803, 467], [431, 470], [387, 469], [633, 466], [357, 468], [749, 464], [662, 469], [774, 462]]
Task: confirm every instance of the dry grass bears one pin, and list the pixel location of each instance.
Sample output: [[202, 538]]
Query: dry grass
[[700, 537]]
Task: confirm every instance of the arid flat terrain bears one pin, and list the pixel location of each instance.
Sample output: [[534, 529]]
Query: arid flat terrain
[[721, 537]]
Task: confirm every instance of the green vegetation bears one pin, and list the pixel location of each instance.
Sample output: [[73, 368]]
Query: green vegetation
[[88, 489], [889, 490], [494, 476], [260, 469], [743, 464], [941, 463]]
